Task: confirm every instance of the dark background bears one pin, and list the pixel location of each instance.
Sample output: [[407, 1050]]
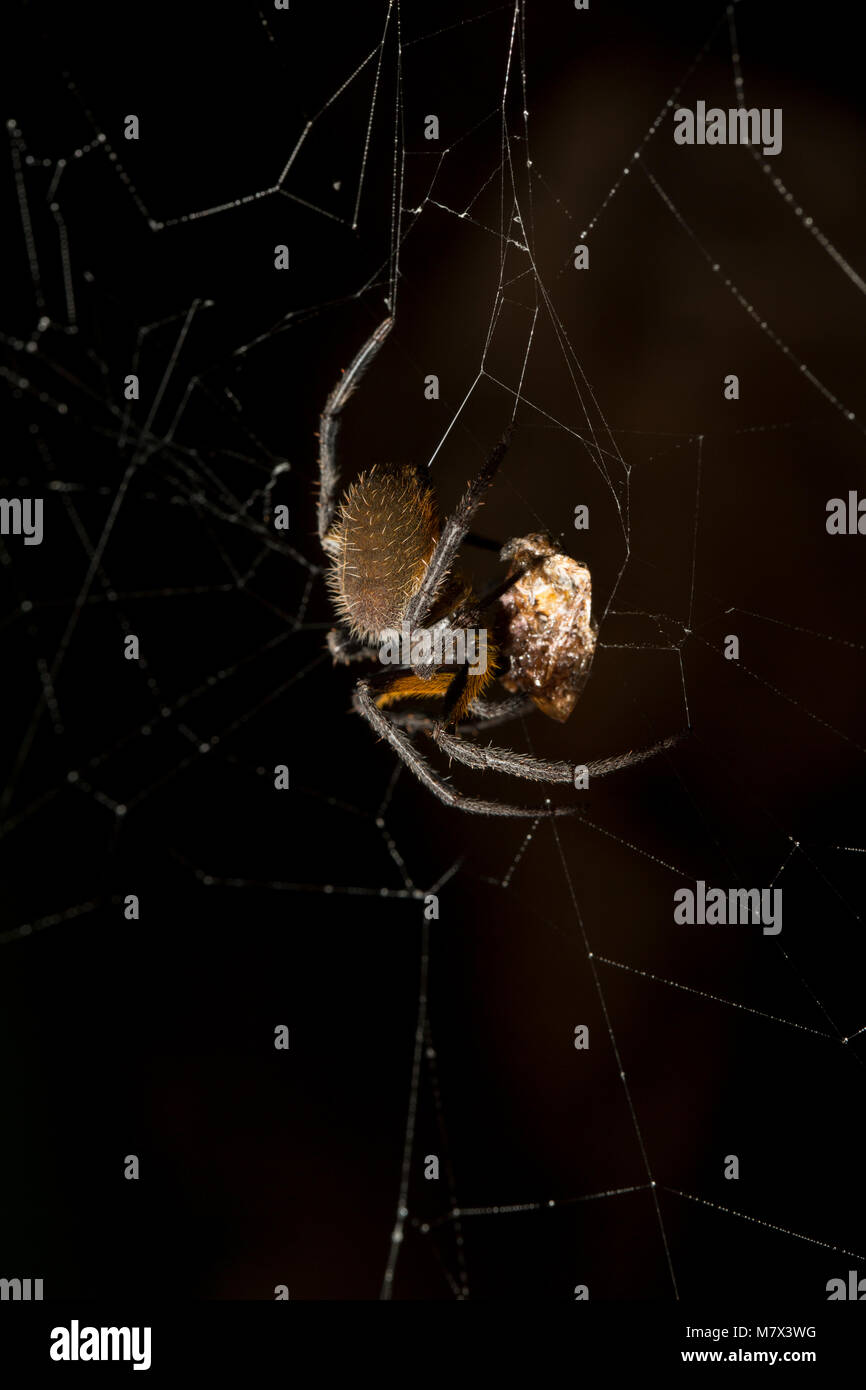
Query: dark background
[[155, 1037]]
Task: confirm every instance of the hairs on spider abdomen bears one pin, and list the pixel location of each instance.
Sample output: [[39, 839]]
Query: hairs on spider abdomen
[[380, 544]]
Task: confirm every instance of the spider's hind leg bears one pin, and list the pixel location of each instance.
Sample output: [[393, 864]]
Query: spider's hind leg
[[329, 425], [417, 764], [493, 759]]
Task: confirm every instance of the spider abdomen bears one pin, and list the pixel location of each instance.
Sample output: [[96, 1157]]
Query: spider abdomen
[[380, 545]]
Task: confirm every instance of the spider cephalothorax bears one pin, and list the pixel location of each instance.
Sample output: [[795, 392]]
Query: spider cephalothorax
[[401, 602]]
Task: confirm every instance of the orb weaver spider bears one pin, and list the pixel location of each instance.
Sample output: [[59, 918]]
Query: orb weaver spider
[[392, 568]]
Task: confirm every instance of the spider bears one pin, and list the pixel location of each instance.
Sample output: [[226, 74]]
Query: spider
[[392, 569]]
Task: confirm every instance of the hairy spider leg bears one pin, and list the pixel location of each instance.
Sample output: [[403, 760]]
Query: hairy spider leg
[[493, 759], [419, 766], [453, 532], [329, 425]]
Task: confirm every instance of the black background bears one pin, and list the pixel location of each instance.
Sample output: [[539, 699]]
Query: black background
[[155, 1037]]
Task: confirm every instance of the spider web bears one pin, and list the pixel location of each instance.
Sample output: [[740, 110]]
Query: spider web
[[454, 1037]]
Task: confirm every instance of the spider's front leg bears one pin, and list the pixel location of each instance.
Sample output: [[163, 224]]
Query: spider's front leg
[[450, 540]]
